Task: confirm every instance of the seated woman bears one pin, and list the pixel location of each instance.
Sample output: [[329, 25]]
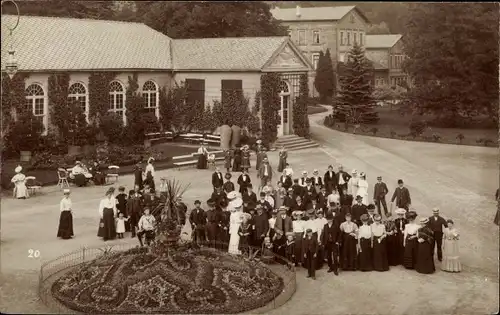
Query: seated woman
[[80, 174], [19, 181], [98, 174]]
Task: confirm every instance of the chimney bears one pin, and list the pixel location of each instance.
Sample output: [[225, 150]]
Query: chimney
[[297, 13]]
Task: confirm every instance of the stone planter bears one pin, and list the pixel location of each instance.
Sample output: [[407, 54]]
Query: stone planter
[[74, 150], [25, 156], [225, 137]]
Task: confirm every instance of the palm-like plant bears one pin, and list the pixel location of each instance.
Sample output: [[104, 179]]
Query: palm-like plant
[[169, 216]]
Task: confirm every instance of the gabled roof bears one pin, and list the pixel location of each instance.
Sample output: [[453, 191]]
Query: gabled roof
[[49, 43], [242, 53], [382, 41], [314, 13]]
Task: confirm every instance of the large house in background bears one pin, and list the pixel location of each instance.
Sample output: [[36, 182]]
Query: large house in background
[[386, 53], [209, 67], [316, 29]]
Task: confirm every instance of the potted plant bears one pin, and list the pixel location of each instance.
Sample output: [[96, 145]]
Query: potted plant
[[25, 135], [225, 136]]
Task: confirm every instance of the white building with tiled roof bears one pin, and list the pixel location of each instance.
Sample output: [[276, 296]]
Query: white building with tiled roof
[[44, 45], [386, 53], [317, 29]]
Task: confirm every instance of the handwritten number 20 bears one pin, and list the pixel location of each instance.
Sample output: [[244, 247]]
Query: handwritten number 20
[[33, 253]]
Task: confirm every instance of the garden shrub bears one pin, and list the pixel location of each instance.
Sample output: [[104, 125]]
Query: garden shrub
[[417, 128], [25, 134], [393, 134], [436, 137], [111, 126], [269, 87], [460, 138], [374, 131]]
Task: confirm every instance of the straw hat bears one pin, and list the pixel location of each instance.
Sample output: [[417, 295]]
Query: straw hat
[[66, 191], [354, 172], [237, 203], [232, 195], [400, 211], [435, 210], [424, 220], [315, 172], [18, 169], [304, 172], [377, 217], [289, 234]]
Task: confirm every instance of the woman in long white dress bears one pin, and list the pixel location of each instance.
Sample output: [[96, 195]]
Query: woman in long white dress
[[19, 180], [235, 220], [352, 185], [363, 188], [150, 174]]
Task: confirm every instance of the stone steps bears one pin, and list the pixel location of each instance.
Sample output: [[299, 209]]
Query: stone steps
[[293, 143]]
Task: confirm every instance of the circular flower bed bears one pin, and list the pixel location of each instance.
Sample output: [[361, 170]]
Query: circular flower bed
[[180, 281]]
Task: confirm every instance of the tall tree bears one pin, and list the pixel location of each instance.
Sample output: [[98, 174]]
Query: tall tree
[[324, 82], [355, 103], [453, 58], [212, 19], [101, 10]]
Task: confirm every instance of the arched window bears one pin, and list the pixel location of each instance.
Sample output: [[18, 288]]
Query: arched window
[[117, 99], [35, 101], [78, 93], [150, 96], [284, 87]]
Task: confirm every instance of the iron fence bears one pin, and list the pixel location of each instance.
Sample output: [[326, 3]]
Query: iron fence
[[52, 270]]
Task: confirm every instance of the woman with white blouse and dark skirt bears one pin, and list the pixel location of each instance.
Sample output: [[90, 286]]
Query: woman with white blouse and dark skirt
[[365, 243], [107, 211], [410, 242], [349, 242], [65, 230], [392, 242], [380, 262], [425, 255]]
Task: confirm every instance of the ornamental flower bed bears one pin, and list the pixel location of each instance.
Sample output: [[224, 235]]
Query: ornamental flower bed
[[178, 281]]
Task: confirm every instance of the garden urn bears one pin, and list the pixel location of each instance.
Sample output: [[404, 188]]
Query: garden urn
[[225, 137], [235, 136]]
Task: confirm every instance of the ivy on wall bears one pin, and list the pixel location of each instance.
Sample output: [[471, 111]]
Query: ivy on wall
[[58, 102], [13, 98], [99, 93], [269, 88], [300, 118]]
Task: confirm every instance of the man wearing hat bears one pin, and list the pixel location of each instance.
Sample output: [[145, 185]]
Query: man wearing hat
[[265, 172], [342, 179], [323, 198], [330, 239], [310, 192], [261, 226], [330, 180], [228, 186], [283, 221], [138, 181], [310, 223], [317, 181], [264, 203], [213, 222], [286, 180], [379, 191], [261, 155], [357, 210], [244, 181], [309, 249], [217, 179], [320, 222], [298, 190], [249, 198], [298, 232], [219, 195], [198, 220], [436, 223], [400, 223], [402, 196], [303, 179]]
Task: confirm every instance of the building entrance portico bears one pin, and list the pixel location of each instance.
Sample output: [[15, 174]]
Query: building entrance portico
[[284, 112]]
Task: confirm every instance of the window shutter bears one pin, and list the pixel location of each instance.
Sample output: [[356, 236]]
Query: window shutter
[[195, 91], [230, 86]]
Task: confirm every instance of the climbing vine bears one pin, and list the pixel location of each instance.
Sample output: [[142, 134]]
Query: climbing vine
[[300, 119], [58, 102], [269, 87], [99, 93], [13, 98]]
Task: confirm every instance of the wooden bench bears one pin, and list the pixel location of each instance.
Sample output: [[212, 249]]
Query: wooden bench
[[180, 157], [186, 163]]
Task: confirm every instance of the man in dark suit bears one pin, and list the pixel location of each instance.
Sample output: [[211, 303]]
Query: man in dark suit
[[219, 196], [402, 196], [265, 173], [244, 181], [261, 226], [297, 189], [371, 213], [264, 204], [436, 223], [217, 179], [309, 249], [310, 192], [357, 210], [379, 192], [317, 181], [285, 180], [330, 238], [249, 197], [198, 220], [283, 221], [330, 180], [322, 198], [342, 180]]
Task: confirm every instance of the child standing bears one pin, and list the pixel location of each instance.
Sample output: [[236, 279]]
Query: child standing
[[290, 248], [120, 224]]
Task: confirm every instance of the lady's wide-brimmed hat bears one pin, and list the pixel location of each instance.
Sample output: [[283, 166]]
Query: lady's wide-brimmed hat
[[232, 195], [400, 211], [354, 172], [151, 159], [246, 217], [228, 176], [66, 191], [424, 220], [362, 174], [377, 217], [411, 215], [364, 218], [18, 169], [237, 203], [282, 209], [304, 172], [289, 234]]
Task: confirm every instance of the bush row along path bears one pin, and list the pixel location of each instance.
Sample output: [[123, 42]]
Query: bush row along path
[[461, 180]]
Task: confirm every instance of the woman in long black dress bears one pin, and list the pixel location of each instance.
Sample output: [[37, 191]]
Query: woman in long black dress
[[400, 223], [138, 181], [410, 242], [237, 159], [392, 242], [107, 211], [283, 154], [348, 254], [380, 262], [497, 216], [65, 230], [202, 157], [244, 231], [425, 255], [365, 244]]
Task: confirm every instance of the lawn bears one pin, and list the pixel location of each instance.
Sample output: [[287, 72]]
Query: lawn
[[394, 125], [49, 177]]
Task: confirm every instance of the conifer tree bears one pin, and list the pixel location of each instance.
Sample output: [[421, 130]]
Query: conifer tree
[[324, 82], [355, 104]]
